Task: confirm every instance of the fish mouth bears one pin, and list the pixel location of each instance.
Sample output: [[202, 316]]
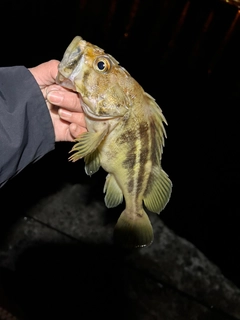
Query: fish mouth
[[70, 65], [65, 82]]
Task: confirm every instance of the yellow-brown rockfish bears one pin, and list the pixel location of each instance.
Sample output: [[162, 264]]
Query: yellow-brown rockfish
[[125, 136]]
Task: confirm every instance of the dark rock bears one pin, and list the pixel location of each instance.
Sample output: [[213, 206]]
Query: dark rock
[[64, 246]]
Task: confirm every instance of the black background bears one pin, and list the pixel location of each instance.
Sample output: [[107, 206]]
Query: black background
[[185, 54]]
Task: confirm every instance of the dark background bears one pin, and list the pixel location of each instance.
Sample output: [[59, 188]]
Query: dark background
[[186, 55]]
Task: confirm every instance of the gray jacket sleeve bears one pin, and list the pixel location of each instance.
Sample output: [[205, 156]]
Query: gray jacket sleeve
[[26, 130]]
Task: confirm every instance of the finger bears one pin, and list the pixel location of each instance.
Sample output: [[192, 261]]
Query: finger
[[75, 117], [45, 73], [76, 130], [49, 71], [54, 95], [66, 99], [58, 87]]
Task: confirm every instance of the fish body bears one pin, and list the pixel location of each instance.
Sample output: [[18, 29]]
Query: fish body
[[125, 137]]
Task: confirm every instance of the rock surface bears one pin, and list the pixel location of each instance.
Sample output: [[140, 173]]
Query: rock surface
[[64, 247]]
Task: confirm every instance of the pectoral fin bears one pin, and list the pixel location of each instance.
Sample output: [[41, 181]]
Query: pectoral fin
[[92, 162], [114, 195], [87, 143], [158, 191]]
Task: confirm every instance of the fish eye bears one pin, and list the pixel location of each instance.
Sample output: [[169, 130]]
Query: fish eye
[[102, 64]]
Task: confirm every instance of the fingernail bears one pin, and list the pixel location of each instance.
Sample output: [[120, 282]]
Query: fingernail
[[55, 97], [64, 113]]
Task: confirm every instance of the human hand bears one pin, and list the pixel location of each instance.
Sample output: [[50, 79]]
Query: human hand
[[63, 105]]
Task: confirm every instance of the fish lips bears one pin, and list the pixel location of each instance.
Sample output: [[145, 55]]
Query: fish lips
[[65, 82]]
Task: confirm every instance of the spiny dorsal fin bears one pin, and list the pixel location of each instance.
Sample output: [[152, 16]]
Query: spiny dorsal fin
[[157, 121]]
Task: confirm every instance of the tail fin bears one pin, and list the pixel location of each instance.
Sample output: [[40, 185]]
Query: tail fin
[[133, 230]]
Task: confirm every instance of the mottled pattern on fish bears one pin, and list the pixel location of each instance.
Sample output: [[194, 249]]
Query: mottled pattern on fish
[[125, 136]]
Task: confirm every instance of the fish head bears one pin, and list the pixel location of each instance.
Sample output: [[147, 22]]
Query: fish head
[[97, 77]]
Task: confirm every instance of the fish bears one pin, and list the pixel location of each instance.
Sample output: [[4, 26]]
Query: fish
[[125, 136]]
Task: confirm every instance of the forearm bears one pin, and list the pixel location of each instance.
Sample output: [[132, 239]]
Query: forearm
[[26, 130]]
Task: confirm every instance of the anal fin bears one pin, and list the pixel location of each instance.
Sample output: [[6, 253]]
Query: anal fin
[[114, 195]]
